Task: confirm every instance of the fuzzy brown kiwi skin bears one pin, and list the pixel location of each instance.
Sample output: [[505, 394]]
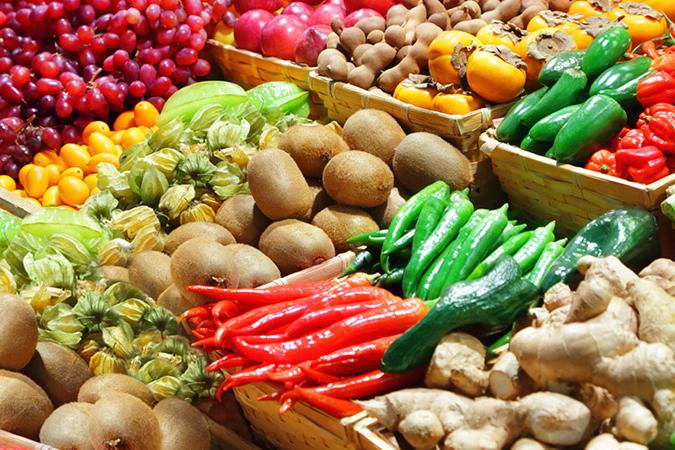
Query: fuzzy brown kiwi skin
[[68, 427], [59, 371], [384, 214], [311, 146], [197, 229], [373, 131], [294, 245], [183, 427], [19, 335], [121, 421], [254, 268], [241, 216], [359, 179], [25, 405], [150, 271], [96, 387], [172, 300], [342, 222]]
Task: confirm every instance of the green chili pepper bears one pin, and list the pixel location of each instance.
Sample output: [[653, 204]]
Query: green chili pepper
[[556, 66], [499, 343], [361, 261], [403, 242], [454, 217], [605, 51], [537, 147], [400, 259], [391, 278], [568, 90], [620, 74], [475, 247], [510, 129], [406, 216], [547, 128], [430, 215], [528, 254], [373, 239], [548, 256], [431, 284], [598, 120], [626, 95], [510, 247], [512, 229]]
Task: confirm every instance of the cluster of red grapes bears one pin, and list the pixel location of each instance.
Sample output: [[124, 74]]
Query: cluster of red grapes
[[64, 63]]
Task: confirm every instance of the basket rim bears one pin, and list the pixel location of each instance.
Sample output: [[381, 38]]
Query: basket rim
[[488, 143], [284, 62]]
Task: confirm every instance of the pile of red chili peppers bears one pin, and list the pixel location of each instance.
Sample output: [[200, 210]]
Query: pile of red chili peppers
[[322, 341], [646, 153]]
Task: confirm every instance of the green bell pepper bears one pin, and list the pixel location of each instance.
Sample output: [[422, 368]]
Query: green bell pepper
[[620, 74], [568, 90], [534, 146], [626, 94], [605, 51], [556, 66], [547, 128], [510, 129]]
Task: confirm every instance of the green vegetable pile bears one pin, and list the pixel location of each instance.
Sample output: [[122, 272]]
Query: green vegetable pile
[[49, 259]]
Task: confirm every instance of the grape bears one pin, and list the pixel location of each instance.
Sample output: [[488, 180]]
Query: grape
[[137, 89], [48, 102], [51, 138], [49, 86], [20, 75], [7, 133]]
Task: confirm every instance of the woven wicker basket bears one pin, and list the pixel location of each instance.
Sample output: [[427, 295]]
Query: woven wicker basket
[[343, 99], [573, 196], [250, 69]]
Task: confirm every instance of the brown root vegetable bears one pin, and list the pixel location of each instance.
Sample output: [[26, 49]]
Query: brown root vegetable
[[529, 444], [470, 26], [434, 7], [402, 53], [396, 15], [123, 422], [600, 401], [375, 36], [395, 36], [422, 429], [441, 20], [350, 38], [415, 60], [506, 380], [182, 426], [68, 427], [19, 332], [332, 63], [560, 5], [656, 309], [635, 422], [372, 62], [506, 10], [458, 362], [489, 5], [359, 52], [415, 17], [333, 40], [606, 441], [465, 11]]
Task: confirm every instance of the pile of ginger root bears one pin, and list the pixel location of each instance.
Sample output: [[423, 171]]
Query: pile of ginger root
[[381, 53], [594, 369]]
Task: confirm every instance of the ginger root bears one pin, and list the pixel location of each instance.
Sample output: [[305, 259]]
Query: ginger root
[[607, 442], [458, 361], [529, 444], [506, 380], [635, 422], [657, 312], [661, 272]]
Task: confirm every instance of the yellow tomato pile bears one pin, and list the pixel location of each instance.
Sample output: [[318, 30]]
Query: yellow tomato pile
[[67, 177]]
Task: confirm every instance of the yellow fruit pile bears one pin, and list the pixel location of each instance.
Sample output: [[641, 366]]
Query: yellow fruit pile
[[66, 178]]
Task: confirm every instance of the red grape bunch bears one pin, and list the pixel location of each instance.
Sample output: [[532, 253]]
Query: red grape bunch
[[64, 63]]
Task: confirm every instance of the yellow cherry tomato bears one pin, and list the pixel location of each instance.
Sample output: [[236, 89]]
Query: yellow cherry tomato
[[498, 33], [485, 66], [75, 156], [44, 158], [7, 182], [124, 121], [52, 197], [60, 162], [418, 95], [103, 158], [73, 191], [132, 136], [73, 172], [37, 181], [116, 137], [587, 8], [96, 126], [20, 192], [224, 34], [643, 21], [54, 173], [100, 143], [91, 181], [22, 173], [441, 51], [456, 103], [145, 114]]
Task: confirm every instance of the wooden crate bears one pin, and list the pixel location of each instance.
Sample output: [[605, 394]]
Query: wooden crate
[[342, 100], [573, 196], [250, 69]]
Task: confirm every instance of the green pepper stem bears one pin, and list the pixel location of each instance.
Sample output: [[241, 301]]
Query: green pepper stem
[[431, 303]]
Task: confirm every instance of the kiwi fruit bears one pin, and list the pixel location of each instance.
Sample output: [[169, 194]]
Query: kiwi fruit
[[96, 387], [384, 213], [59, 370], [294, 245], [253, 267], [357, 178], [114, 273], [182, 426], [422, 158], [373, 131], [202, 261], [68, 427], [311, 146], [225, 411], [342, 222], [121, 421], [197, 229], [19, 332], [277, 185], [150, 271], [172, 300], [241, 216], [24, 406], [320, 198]]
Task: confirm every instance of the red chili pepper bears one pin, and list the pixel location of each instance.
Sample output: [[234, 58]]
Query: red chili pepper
[[229, 361], [198, 311], [266, 296], [333, 406], [371, 384], [649, 49], [603, 161], [660, 131], [656, 88], [253, 374], [327, 316], [385, 321], [666, 62], [276, 395], [316, 375], [292, 375], [225, 310], [355, 359], [647, 114]]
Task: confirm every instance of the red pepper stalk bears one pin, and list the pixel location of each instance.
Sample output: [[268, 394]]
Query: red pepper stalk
[[385, 321], [656, 88], [643, 165]]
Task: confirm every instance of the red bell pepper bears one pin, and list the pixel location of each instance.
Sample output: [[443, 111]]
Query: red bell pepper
[[656, 88], [665, 62], [646, 115], [603, 161], [659, 131], [642, 165]]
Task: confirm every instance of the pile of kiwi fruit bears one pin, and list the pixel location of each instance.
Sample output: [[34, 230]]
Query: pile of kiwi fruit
[[48, 393]]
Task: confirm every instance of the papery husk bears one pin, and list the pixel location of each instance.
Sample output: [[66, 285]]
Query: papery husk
[[160, 319], [165, 160], [197, 382], [130, 222], [224, 134], [7, 280], [132, 154], [115, 253], [131, 310], [89, 348], [148, 238], [153, 185], [63, 338], [120, 339], [176, 200], [168, 135], [111, 179], [157, 368], [205, 117], [50, 270], [239, 155], [103, 362], [195, 169], [72, 249], [164, 387], [41, 297], [61, 317], [121, 291], [210, 200], [197, 212], [100, 205], [94, 312]]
